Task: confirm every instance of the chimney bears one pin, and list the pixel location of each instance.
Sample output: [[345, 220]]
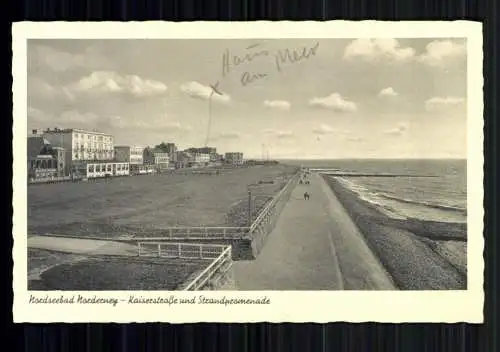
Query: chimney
[[34, 131]]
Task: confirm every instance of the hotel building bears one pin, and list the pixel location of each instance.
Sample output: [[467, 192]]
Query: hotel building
[[81, 146]]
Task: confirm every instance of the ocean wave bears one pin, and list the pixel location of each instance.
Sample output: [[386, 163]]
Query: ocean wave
[[372, 198], [393, 206], [427, 204]]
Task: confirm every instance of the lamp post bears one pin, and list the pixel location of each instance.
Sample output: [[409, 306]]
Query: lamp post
[[249, 207]]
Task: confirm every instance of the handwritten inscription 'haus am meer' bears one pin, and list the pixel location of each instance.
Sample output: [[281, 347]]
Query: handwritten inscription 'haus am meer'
[[254, 52]]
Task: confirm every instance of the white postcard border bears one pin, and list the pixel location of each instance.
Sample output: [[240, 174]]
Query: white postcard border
[[285, 306]]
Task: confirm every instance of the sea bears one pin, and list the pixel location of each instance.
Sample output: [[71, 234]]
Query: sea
[[442, 198]]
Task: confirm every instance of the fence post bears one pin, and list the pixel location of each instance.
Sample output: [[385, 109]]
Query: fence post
[[201, 251], [206, 232], [139, 245], [224, 232], [159, 250], [179, 250], [170, 232], [188, 231]]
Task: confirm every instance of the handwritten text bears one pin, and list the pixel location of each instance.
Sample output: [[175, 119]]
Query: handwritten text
[[253, 52]]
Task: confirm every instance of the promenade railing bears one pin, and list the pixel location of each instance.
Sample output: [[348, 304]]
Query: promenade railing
[[180, 250], [195, 233], [219, 266], [266, 219]]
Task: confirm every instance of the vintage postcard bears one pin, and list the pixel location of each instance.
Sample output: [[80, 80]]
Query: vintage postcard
[[248, 172]]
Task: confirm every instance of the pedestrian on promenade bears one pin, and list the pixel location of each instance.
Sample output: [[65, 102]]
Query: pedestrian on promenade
[[306, 196]]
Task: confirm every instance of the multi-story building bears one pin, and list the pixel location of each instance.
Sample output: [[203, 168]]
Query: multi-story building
[[81, 146], [172, 151], [44, 160], [156, 157], [234, 158], [134, 155]]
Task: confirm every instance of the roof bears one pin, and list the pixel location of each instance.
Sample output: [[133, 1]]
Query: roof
[[70, 130]]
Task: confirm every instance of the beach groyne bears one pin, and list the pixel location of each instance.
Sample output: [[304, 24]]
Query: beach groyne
[[403, 251]]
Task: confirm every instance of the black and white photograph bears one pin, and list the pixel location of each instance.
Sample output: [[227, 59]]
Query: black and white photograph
[[248, 164]]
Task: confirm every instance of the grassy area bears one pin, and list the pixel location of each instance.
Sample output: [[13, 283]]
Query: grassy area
[[40, 260], [144, 203], [113, 273]]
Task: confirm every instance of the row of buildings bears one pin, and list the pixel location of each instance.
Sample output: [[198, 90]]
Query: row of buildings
[[75, 152]]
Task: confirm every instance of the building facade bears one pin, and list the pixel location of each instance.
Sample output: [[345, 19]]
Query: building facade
[[172, 152], [81, 145], [100, 169], [200, 159], [44, 160], [133, 155], [156, 157], [234, 158]]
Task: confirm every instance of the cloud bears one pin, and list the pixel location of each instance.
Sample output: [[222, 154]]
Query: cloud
[[399, 130], [437, 52], [67, 119], [77, 117], [199, 91], [323, 129], [281, 134], [228, 136], [38, 116], [113, 83], [277, 104], [378, 49], [63, 61], [335, 102], [354, 139], [159, 123], [436, 103], [388, 92]]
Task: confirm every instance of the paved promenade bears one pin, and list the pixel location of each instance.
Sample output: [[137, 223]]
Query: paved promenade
[[82, 246], [314, 246]]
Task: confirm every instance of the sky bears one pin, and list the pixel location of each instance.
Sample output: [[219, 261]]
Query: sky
[[330, 98]]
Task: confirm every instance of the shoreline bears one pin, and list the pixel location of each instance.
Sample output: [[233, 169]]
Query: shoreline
[[414, 252]]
